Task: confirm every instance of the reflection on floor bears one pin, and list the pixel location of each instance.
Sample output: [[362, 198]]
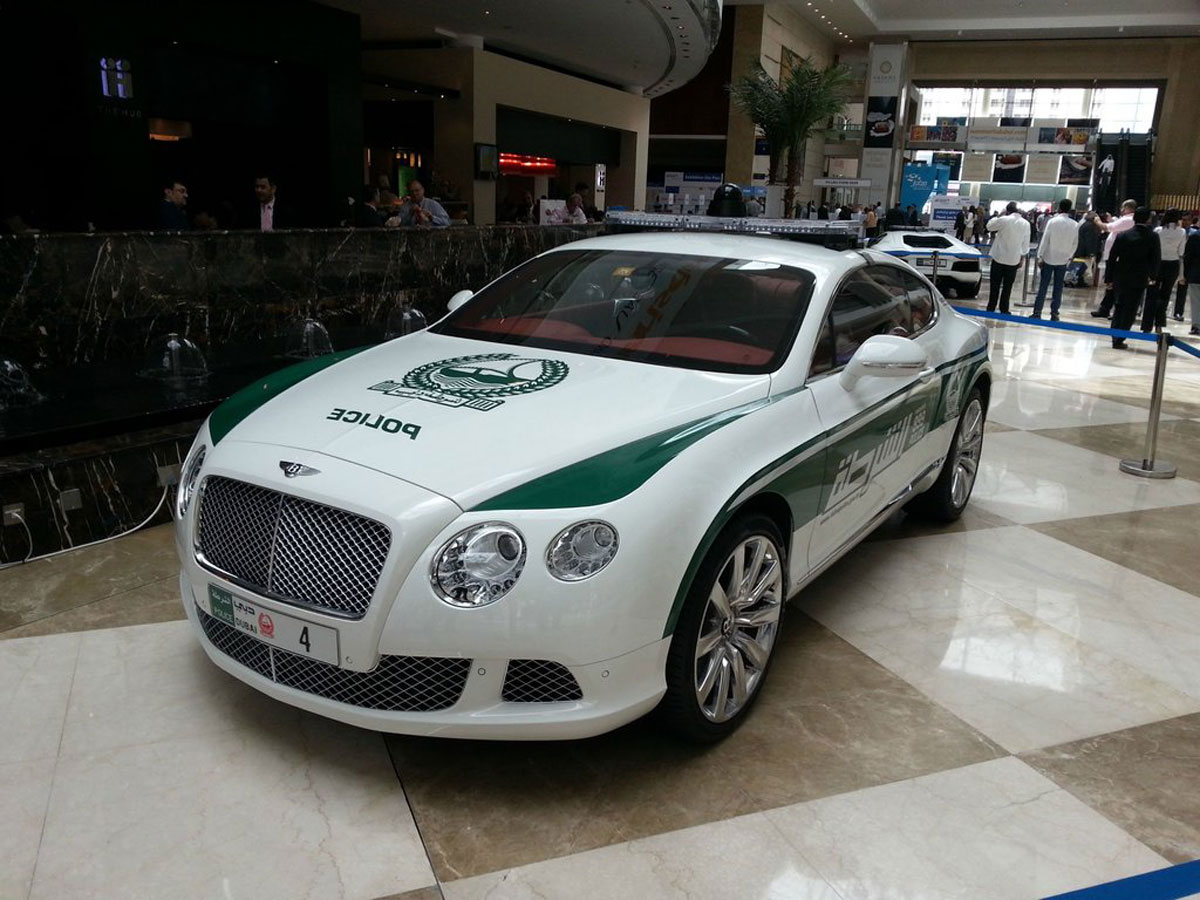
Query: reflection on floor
[[1009, 707]]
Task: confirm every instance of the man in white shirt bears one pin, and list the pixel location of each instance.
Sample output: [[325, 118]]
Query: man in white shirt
[[1010, 243], [1055, 251], [1114, 228]]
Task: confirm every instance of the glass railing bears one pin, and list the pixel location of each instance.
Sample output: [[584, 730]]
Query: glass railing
[[844, 134]]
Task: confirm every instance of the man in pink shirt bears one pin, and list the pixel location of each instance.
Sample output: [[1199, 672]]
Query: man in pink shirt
[[1114, 228]]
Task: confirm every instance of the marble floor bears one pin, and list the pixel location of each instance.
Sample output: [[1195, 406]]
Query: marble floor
[[1005, 708]]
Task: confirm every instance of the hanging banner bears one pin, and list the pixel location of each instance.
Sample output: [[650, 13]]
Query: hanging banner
[[1075, 170], [935, 134], [997, 137], [977, 167], [886, 62], [1042, 169], [953, 161], [881, 122], [1009, 168]]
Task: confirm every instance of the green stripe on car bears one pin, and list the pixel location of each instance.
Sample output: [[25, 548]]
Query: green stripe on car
[[230, 413]]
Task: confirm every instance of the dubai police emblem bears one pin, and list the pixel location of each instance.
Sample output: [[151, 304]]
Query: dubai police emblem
[[476, 382]]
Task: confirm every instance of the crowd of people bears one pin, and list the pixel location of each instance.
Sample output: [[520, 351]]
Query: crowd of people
[[1150, 262]]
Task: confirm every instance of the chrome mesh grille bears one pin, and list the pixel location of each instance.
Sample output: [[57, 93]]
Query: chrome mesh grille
[[297, 551], [539, 681], [397, 684]]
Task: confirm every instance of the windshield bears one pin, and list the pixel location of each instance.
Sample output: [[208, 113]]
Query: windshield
[[700, 312], [929, 241]]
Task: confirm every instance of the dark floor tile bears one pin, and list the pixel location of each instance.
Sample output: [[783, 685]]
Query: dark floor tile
[[1178, 442], [1145, 779], [830, 720], [1160, 543]]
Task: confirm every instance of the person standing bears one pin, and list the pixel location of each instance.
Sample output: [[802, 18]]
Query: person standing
[[960, 223], [1191, 272], [1055, 250], [267, 217], [1132, 266], [1010, 244], [979, 235], [1089, 245], [871, 222], [1124, 223], [172, 211], [1171, 240]]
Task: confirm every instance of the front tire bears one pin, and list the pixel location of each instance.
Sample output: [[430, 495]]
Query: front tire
[[947, 498], [966, 292], [726, 632]]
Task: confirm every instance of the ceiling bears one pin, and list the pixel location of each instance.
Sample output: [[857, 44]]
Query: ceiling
[[645, 46], [860, 21]]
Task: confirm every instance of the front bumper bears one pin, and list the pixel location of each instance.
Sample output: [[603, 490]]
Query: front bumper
[[614, 691]]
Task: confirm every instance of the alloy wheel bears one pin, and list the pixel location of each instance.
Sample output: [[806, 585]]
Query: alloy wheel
[[738, 628]]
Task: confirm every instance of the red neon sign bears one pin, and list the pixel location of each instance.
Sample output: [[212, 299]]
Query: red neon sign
[[519, 164]]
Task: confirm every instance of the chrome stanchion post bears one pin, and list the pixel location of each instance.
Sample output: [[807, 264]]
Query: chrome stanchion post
[[1148, 466], [1025, 281], [935, 268]]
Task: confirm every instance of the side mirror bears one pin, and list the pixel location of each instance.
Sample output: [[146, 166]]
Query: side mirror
[[884, 356], [458, 300]]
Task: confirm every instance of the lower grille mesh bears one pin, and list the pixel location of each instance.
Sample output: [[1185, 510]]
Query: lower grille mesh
[[539, 681], [397, 684]]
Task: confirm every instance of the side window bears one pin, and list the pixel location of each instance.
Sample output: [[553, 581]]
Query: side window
[[873, 300], [920, 302]]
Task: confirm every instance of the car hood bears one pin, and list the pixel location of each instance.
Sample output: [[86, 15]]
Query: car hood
[[472, 419]]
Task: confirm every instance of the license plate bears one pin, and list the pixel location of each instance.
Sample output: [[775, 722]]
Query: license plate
[[925, 261], [274, 628]]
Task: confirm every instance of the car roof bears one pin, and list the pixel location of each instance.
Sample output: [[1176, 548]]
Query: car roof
[[895, 239], [821, 261]]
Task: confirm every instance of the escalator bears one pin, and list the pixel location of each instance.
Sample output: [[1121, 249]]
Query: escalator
[[1129, 177]]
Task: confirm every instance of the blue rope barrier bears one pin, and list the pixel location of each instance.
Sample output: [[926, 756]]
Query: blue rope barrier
[[1185, 347], [1061, 326]]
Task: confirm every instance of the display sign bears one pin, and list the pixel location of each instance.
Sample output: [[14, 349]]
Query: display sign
[[935, 134], [1009, 168], [919, 181], [996, 137], [953, 161], [1075, 169], [881, 122], [1042, 169], [944, 210], [1056, 139], [842, 182], [977, 167], [887, 60]]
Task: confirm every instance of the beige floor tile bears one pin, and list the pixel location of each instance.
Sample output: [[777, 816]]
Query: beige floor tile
[[1146, 780], [902, 525], [829, 721], [24, 792], [988, 831]]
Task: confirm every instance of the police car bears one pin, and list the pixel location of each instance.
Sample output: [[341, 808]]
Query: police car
[[584, 494], [959, 265]]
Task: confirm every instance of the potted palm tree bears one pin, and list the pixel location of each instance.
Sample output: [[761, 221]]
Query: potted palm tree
[[788, 111]]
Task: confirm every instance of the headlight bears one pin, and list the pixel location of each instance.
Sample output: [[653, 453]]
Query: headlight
[[581, 551], [478, 566], [188, 477]]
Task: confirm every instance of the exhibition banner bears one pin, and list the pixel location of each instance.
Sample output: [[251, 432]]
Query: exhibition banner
[[953, 161], [944, 210], [935, 134], [887, 60], [977, 167], [1042, 169], [996, 137], [881, 122], [1075, 170], [1056, 139], [1009, 168]]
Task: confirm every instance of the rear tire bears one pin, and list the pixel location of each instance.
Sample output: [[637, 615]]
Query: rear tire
[[947, 498], [726, 633]]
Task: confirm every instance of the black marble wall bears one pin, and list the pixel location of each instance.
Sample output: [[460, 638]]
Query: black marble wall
[[85, 316]]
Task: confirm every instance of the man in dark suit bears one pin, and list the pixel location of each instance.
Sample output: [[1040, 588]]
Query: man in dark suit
[[267, 216], [172, 211], [366, 211], [1133, 265], [1191, 274]]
